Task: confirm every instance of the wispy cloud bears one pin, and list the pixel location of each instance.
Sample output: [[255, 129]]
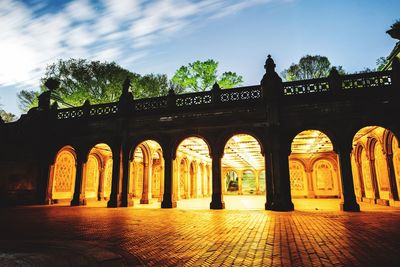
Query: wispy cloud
[[34, 36]]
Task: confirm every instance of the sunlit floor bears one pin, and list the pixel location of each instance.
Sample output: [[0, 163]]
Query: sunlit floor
[[249, 203]]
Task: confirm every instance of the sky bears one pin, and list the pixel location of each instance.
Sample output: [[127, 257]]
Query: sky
[[160, 36]]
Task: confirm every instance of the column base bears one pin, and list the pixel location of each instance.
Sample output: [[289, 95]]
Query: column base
[[144, 201], [168, 204], [344, 206], [217, 205], [282, 206], [79, 202], [114, 202], [268, 205]]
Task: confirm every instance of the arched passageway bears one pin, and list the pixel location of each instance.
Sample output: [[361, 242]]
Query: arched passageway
[[375, 165], [192, 172], [146, 177], [243, 173], [62, 177], [98, 174], [313, 167]]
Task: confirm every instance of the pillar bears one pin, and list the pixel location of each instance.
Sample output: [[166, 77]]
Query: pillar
[[360, 177], [240, 182], [392, 177], [349, 202], [145, 199], [269, 185], [49, 176], [216, 196], [282, 196], [126, 198], [257, 177], [115, 196], [168, 200], [100, 192], [79, 190], [375, 186], [310, 184]]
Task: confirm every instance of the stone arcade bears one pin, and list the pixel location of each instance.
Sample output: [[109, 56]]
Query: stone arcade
[[329, 137]]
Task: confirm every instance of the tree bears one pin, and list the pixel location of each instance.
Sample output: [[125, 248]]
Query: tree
[[309, 67], [6, 116], [98, 82], [201, 76], [381, 63]]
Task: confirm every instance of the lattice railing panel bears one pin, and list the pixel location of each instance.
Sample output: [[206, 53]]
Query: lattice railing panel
[[103, 109], [367, 80], [241, 94], [70, 113], [194, 99], [150, 104], [305, 87]]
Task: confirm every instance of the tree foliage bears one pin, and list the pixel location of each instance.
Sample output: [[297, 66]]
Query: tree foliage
[[98, 82], [309, 67], [6, 116], [201, 76]]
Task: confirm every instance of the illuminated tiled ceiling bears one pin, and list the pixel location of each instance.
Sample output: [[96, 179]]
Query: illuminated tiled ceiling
[[194, 147], [103, 149], [311, 141], [243, 151], [366, 131], [153, 145]]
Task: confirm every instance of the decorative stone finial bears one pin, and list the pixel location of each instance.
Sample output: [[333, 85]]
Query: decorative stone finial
[[216, 87], [171, 92], [52, 84], [126, 86], [269, 64]]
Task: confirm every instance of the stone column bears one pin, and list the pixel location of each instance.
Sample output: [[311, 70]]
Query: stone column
[[269, 185], [100, 192], [79, 190], [240, 182], [168, 200], [216, 197], [257, 177], [310, 182], [393, 193], [115, 196], [145, 199], [349, 202], [50, 180], [126, 199], [282, 195], [374, 178], [360, 178]]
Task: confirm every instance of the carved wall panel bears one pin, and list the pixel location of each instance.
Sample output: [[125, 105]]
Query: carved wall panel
[[366, 175], [108, 178], [92, 177], [396, 162], [64, 175], [298, 179], [326, 180], [382, 173], [356, 178]]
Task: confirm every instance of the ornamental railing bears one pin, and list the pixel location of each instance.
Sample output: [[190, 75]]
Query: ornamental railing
[[234, 96]]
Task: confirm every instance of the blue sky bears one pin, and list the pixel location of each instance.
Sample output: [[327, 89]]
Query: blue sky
[[160, 36]]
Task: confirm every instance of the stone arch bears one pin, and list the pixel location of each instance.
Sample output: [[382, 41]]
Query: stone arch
[[146, 176], [313, 165], [325, 178], [396, 162], [298, 179], [192, 153], [62, 175]]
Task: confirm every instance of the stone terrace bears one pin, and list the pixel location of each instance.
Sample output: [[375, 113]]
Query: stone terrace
[[71, 236]]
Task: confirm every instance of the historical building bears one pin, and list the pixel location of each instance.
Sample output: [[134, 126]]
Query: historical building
[[333, 137]]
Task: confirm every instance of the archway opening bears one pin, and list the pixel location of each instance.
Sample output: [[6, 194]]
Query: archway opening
[[192, 174], [97, 175], [243, 173], [146, 177], [314, 172], [375, 161], [62, 177]]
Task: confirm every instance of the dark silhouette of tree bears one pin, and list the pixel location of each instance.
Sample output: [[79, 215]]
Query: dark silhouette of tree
[[394, 30], [310, 67], [98, 82], [202, 75]]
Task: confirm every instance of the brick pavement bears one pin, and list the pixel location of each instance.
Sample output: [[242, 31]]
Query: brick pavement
[[177, 237]]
